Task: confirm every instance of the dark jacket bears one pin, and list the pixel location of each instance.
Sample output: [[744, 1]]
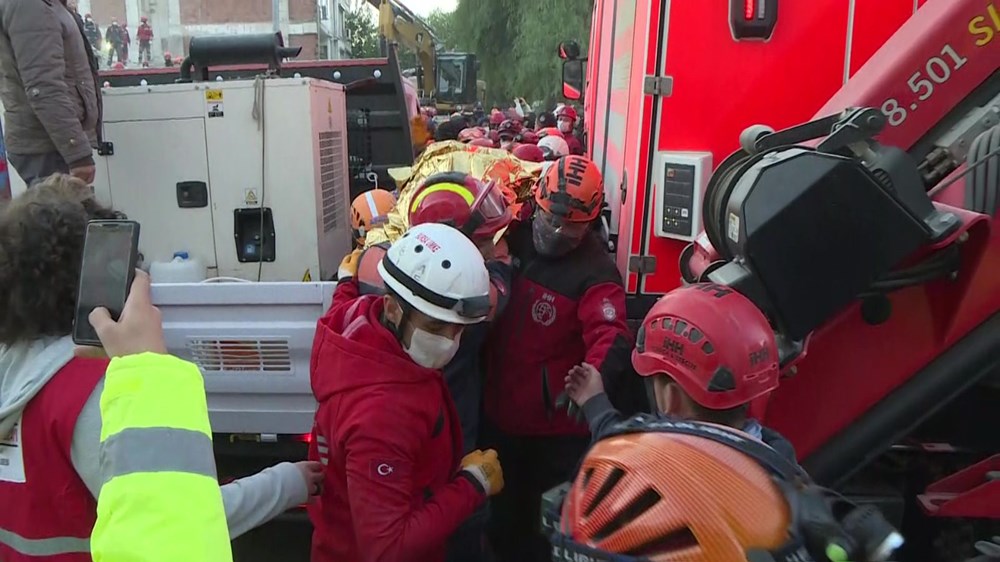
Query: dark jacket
[[388, 435], [601, 415], [48, 89], [563, 311]]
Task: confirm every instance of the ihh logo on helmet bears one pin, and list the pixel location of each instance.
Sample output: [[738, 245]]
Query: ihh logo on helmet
[[609, 311], [544, 311], [760, 356]]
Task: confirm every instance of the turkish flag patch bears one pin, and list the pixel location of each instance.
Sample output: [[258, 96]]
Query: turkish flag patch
[[381, 469]]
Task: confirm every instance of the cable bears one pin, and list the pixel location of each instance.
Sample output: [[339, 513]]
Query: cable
[[984, 159]]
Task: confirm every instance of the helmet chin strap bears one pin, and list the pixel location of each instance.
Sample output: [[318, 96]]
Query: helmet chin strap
[[397, 329]]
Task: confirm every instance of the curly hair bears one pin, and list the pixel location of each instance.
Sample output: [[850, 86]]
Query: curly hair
[[41, 250]]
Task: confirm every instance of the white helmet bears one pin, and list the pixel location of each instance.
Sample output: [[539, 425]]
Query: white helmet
[[553, 147], [437, 270]]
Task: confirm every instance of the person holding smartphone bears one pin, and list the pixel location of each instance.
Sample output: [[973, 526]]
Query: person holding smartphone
[[51, 400]]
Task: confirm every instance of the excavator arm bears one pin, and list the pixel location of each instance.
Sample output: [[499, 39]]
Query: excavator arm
[[397, 24]]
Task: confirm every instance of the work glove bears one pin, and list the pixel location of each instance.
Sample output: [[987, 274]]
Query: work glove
[[349, 265], [483, 467], [572, 410]]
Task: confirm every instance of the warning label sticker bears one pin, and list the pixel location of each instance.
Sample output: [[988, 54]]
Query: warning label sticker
[[214, 103], [307, 277], [250, 197]]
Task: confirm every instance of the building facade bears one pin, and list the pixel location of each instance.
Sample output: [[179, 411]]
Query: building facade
[[315, 25]]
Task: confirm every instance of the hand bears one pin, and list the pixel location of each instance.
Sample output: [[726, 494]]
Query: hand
[[85, 173], [583, 382], [312, 475], [138, 330], [349, 265], [484, 466], [486, 248]]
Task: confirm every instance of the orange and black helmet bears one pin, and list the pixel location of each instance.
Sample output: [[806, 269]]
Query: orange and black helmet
[[571, 189]]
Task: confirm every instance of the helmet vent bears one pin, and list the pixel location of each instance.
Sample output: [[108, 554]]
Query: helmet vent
[[722, 381], [640, 505], [605, 489], [674, 541]]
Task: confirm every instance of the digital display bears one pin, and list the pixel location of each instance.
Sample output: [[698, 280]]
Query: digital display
[[106, 273], [753, 19], [678, 198]]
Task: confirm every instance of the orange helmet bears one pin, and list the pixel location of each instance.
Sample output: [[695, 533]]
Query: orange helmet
[[369, 210], [664, 497], [713, 341], [655, 489], [572, 189]]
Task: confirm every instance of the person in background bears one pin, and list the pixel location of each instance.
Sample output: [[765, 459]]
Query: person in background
[[368, 211], [161, 500], [50, 400], [553, 147], [529, 153], [92, 32], [49, 91], [730, 359], [566, 119], [397, 485], [126, 41], [507, 133], [567, 306], [114, 35], [544, 120], [145, 36], [168, 59]]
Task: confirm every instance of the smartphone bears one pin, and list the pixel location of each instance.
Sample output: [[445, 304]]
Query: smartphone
[[110, 256]]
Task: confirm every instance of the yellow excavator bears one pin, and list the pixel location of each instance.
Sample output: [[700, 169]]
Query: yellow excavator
[[448, 78]]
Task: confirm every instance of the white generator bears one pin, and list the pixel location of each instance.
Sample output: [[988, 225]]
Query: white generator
[[248, 177]]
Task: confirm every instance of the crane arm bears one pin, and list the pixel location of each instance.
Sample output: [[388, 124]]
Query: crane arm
[[398, 24]]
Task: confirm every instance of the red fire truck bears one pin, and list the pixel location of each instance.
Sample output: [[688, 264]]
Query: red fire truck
[[891, 349]]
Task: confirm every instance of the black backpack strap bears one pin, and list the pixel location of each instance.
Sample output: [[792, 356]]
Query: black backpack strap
[[770, 459]]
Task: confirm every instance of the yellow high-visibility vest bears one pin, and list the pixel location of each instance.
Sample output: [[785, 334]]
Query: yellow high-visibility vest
[[160, 501]]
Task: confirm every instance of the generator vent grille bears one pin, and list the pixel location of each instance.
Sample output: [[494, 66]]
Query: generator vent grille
[[332, 180], [258, 355]]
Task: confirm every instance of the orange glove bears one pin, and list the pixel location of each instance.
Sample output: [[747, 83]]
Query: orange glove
[[349, 265], [484, 468]]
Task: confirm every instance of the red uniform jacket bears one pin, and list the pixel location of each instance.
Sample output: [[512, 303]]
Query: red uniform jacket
[[43, 499], [563, 311], [145, 33], [387, 432]]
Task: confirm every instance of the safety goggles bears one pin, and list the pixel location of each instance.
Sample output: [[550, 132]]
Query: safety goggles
[[473, 308], [490, 207]]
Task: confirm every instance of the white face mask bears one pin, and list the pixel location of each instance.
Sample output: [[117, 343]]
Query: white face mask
[[565, 126], [431, 350]]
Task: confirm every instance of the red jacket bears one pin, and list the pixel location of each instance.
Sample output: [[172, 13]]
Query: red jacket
[[387, 432], [44, 501], [145, 33], [563, 311]]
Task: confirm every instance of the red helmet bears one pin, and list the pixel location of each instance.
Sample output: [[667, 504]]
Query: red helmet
[[461, 201], [482, 141], [567, 111], [528, 136], [542, 133], [496, 118], [713, 341], [528, 153], [144, 19], [119, 66], [470, 134]]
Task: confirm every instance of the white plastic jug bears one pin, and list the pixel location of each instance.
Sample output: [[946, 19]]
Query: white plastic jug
[[181, 269]]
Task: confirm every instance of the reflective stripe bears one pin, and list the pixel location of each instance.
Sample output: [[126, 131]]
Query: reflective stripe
[[324, 461], [157, 449], [372, 207], [321, 439], [323, 450], [44, 547]]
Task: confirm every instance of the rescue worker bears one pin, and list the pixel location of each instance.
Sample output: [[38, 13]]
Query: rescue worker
[[369, 210], [508, 132], [50, 401], [544, 120], [730, 359], [566, 119], [156, 447], [480, 211], [496, 118], [483, 142], [127, 40], [698, 492], [145, 36], [386, 431], [114, 35], [92, 32], [470, 134], [567, 306], [168, 59]]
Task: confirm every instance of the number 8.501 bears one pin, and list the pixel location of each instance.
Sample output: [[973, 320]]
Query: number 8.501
[[938, 69]]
